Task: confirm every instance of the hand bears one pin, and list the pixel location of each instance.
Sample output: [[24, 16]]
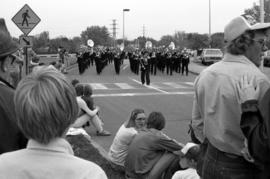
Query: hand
[[97, 107], [247, 90]]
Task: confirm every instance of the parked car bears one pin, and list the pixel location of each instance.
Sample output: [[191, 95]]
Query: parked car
[[211, 55], [266, 58]]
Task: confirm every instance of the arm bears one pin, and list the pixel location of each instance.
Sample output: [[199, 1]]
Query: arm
[[81, 120], [254, 125], [166, 143], [82, 105], [254, 128], [197, 123]]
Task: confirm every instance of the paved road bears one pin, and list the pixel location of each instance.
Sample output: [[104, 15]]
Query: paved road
[[118, 95]]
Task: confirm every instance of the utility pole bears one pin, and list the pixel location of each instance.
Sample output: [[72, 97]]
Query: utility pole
[[114, 31], [143, 31], [209, 23], [124, 10], [262, 11]]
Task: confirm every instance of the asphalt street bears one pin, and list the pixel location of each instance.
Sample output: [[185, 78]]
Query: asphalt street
[[118, 95]]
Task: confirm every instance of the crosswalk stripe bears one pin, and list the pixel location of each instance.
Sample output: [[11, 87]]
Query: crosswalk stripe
[[124, 86], [189, 83], [98, 86], [156, 86], [174, 85]]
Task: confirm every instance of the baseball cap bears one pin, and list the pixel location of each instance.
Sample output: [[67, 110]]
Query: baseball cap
[[7, 44], [186, 148], [240, 24]]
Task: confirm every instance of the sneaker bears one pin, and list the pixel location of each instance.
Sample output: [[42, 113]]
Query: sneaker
[[103, 133]]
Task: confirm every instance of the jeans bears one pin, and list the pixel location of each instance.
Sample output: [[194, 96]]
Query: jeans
[[221, 165]]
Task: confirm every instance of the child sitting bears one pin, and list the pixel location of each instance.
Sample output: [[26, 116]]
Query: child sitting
[[188, 159]]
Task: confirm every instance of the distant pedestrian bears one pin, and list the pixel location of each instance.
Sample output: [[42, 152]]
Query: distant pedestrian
[[185, 62]]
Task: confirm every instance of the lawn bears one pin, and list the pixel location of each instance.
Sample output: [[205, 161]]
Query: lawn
[[83, 148]]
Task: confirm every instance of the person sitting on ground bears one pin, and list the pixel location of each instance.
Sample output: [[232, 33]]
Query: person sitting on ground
[[150, 154], [97, 121], [124, 136], [92, 114], [46, 106], [189, 156]]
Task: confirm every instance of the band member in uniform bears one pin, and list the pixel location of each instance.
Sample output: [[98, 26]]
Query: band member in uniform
[[185, 62], [145, 67]]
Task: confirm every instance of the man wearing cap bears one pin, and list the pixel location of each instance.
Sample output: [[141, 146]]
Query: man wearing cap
[[216, 111], [10, 136]]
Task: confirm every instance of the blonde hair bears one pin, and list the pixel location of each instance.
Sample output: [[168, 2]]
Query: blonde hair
[[45, 105]]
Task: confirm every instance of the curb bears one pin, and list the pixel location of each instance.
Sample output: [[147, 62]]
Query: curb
[[101, 150]]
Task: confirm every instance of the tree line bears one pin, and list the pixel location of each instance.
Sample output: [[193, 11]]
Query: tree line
[[101, 37]]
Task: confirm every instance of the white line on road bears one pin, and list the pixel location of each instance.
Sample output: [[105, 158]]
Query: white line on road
[[98, 86], [124, 67], [142, 94], [151, 87], [174, 85], [124, 86], [190, 83]]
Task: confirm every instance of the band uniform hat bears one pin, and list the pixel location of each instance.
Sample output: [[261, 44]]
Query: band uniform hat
[[241, 24], [7, 44]]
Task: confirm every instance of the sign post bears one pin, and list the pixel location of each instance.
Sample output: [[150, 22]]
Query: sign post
[[26, 20]]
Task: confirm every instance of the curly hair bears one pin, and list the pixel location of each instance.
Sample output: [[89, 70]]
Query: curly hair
[[240, 45]]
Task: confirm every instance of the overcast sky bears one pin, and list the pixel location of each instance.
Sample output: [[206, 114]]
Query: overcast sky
[[159, 17]]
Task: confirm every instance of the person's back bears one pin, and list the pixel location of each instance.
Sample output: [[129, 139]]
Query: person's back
[[46, 162], [216, 110], [218, 101], [11, 138], [45, 122]]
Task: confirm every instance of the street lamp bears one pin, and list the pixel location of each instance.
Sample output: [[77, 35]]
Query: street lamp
[[124, 10], [209, 23]]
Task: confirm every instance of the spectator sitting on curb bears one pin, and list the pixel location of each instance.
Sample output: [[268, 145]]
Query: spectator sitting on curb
[[188, 159], [91, 114], [96, 120], [150, 154], [11, 137], [123, 138], [46, 106]]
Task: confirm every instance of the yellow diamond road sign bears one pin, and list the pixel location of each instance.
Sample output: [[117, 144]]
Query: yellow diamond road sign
[[26, 19]]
